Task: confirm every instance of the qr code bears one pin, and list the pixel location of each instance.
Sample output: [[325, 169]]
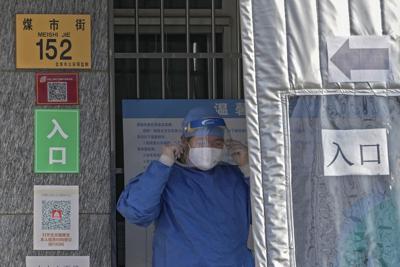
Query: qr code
[[56, 215], [57, 92]]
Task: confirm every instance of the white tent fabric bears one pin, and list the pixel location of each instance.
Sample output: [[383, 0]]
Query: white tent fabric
[[285, 65]]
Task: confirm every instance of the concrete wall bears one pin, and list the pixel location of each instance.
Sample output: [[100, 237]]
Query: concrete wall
[[17, 104]]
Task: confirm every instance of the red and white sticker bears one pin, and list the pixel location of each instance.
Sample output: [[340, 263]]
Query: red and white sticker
[[57, 89]]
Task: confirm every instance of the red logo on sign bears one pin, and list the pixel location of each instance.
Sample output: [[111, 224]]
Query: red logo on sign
[[57, 89], [56, 214]]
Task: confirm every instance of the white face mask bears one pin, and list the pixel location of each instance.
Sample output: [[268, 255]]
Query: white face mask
[[205, 158]]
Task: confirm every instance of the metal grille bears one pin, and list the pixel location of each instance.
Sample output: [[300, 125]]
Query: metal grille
[[163, 49], [214, 23]]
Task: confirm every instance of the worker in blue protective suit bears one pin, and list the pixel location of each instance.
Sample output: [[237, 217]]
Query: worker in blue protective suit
[[199, 204]]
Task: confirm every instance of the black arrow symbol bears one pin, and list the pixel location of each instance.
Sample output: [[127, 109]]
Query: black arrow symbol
[[347, 59]]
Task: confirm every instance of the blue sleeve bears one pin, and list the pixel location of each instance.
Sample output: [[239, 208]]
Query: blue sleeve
[[246, 178], [140, 202]]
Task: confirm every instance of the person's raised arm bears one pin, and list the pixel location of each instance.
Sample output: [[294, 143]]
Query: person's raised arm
[[140, 202]]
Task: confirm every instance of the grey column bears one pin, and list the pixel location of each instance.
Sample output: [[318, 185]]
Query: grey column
[[17, 105]]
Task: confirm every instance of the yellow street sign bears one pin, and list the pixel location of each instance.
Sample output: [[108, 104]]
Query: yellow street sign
[[53, 41]]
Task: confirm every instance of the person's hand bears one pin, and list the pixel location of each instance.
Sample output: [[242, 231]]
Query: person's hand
[[170, 152], [238, 151]]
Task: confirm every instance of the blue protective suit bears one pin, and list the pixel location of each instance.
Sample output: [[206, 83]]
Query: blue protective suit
[[202, 218]]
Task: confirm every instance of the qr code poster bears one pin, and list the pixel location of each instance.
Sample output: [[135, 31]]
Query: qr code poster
[[56, 218], [57, 89]]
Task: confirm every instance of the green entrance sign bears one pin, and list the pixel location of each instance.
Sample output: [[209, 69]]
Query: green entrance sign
[[56, 141]]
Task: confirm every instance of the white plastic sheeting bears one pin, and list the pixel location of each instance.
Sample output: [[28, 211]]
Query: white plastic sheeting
[[285, 67]]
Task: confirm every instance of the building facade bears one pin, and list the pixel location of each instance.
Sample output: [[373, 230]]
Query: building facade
[[140, 50]]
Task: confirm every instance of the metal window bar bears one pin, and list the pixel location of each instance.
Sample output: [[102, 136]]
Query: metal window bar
[[211, 55], [162, 49], [137, 47], [213, 48], [239, 51], [187, 22], [179, 55]]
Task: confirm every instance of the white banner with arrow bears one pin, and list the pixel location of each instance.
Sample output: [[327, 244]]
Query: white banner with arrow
[[359, 59]]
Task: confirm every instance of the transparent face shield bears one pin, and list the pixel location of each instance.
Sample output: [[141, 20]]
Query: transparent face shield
[[207, 133], [210, 136]]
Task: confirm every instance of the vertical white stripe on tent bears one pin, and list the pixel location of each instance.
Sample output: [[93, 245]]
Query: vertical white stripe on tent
[[303, 44], [270, 30], [391, 27], [333, 20], [270, 45], [253, 137], [366, 19]]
